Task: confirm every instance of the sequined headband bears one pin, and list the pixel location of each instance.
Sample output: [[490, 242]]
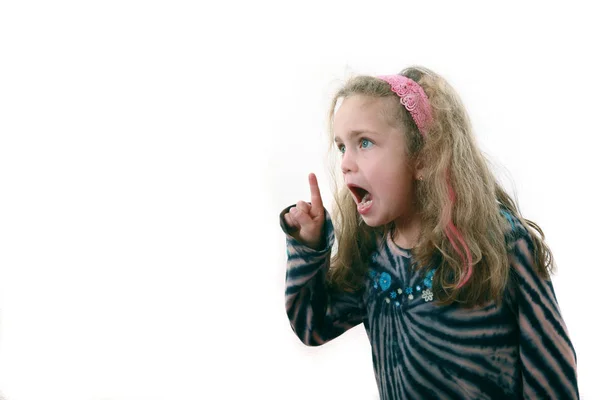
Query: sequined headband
[[413, 98]]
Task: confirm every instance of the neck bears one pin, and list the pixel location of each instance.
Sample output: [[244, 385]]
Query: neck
[[406, 231]]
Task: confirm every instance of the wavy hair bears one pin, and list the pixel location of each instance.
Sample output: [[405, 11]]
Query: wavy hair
[[463, 232]]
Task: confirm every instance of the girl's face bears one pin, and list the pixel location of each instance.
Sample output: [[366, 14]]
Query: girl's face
[[375, 163]]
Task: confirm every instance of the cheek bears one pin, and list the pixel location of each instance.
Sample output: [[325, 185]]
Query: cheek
[[397, 175], [397, 186]]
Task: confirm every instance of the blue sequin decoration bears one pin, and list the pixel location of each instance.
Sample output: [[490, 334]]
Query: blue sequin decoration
[[385, 280]]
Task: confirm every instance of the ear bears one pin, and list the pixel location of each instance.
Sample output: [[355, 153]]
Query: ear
[[419, 169]]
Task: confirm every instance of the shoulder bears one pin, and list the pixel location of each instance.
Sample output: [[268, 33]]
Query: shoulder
[[515, 230], [526, 269], [522, 250]]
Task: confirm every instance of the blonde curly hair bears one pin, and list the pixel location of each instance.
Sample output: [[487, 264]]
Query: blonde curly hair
[[458, 190]]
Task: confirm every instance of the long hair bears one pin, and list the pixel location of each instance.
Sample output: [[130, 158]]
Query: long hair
[[463, 232]]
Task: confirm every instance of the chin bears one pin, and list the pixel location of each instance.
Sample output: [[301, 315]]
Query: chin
[[372, 222]]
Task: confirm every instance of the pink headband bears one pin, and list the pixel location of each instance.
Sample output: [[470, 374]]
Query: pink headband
[[413, 98]]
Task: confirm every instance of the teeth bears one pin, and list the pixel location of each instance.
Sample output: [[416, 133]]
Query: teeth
[[365, 203], [366, 198]]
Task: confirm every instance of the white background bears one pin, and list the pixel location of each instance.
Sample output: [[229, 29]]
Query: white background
[[147, 149]]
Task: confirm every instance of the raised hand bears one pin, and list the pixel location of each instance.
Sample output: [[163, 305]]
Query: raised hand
[[305, 220]]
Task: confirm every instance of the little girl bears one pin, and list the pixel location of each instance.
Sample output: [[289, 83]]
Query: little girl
[[451, 282]]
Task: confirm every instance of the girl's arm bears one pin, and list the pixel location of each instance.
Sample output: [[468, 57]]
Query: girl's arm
[[548, 360], [316, 312]]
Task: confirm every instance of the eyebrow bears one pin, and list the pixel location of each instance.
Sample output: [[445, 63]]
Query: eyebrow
[[355, 133]]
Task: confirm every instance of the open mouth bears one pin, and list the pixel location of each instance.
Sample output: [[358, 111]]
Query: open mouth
[[361, 196]]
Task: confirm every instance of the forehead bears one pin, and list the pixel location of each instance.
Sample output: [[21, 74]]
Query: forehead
[[363, 113]]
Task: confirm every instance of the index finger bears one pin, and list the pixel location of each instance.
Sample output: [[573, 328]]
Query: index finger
[[315, 193]]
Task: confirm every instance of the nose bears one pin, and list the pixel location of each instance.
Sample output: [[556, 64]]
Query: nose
[[348, 163]]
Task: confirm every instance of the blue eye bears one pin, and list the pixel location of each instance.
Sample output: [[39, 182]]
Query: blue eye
[[363, 141], [342, 148]]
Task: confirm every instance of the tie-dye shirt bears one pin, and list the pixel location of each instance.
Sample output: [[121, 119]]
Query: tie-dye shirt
[[421, 350]]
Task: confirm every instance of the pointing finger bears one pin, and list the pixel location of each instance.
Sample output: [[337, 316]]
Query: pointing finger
[[315, 193]]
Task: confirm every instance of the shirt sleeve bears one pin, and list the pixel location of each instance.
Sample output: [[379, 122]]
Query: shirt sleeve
[[547, 356], [317, 312]]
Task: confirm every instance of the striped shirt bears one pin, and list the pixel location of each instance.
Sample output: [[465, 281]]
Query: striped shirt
[[517, 350]]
